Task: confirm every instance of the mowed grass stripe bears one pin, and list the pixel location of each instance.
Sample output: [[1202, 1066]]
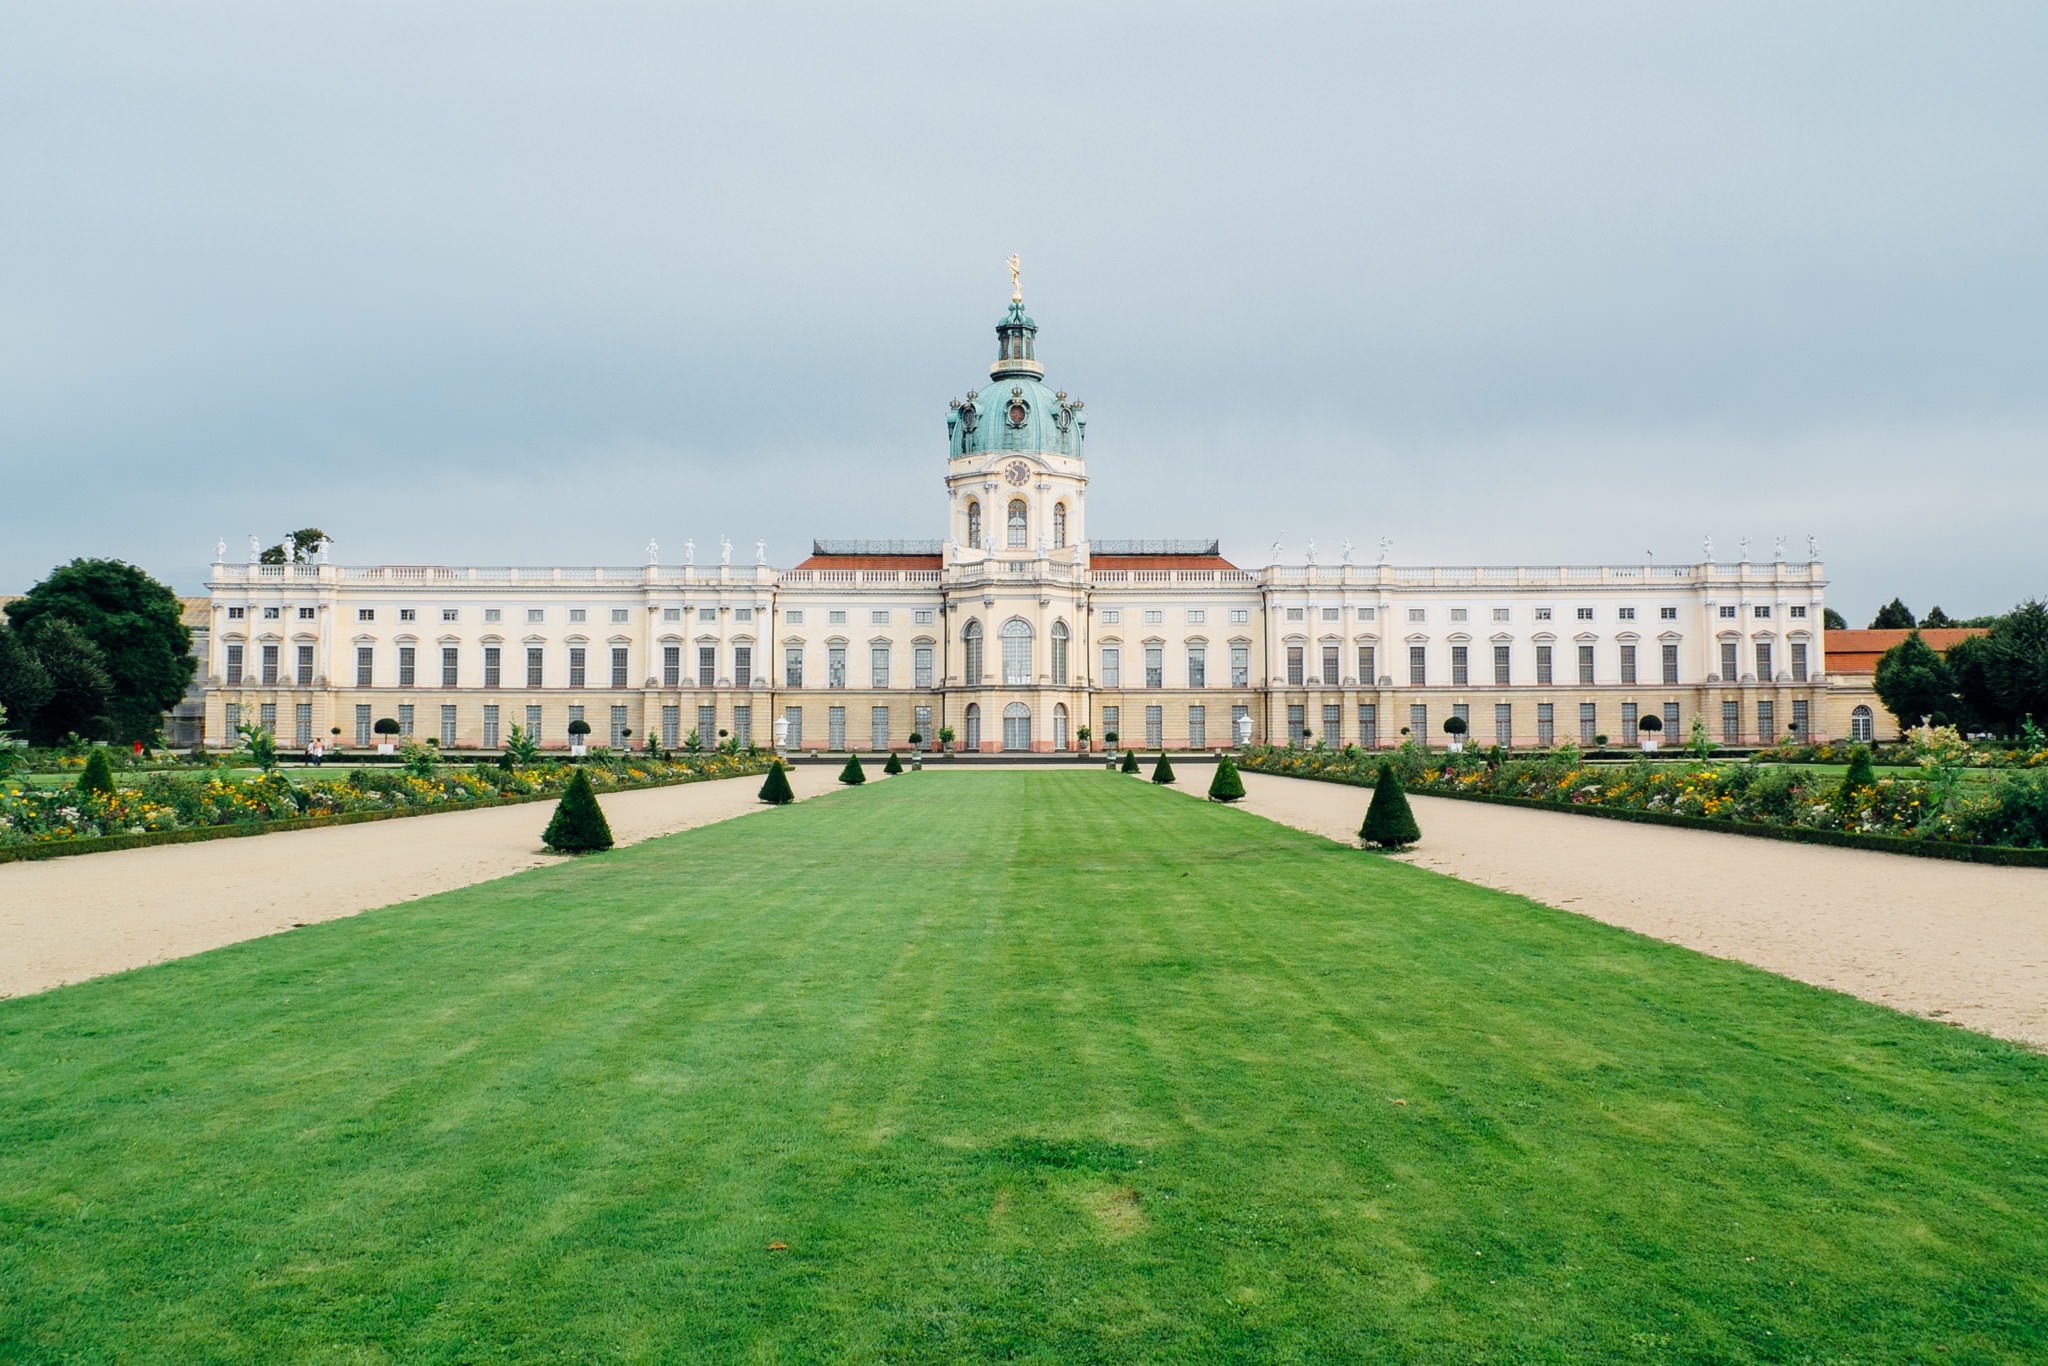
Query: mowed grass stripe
[[1046, 1066]]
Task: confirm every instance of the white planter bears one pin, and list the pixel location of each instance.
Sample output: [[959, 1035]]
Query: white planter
[[1649, 744], [1456, 746], [576, 751], [387, 749]]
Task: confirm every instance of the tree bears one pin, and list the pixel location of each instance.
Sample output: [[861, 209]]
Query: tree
[[775, 789], [305, 542], [80, 685], [1936, 620], [1130, 763], [1388, 821], [2015, 657], [1859, 776], [99, 774], [1227, 785], [24, 683], [520, 749], [1162, 772], [853, 775], [894, 766], [387, 726], [1913, 681], [1831, 620], [579, 826], [1893, 616], [134, 621], [1968, 663]]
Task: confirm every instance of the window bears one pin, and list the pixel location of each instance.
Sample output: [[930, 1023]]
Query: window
[[302, 724], [1368, 724], [792, 666], [490, 727], [1763, 667], [878, 728], [618, 666], [1500, 614], [970, 651], [922, 616], [1799, 613], [404, 613], [1543, 614], [269, 666], [1296, 614], [578, 672], [972, 726], [794, 716], [1239, 616], [1760, 612], [365, 657], [447, 726], [921, 666], [1418, 722], [1111, 725], [1198, 616], [1585, 664], [1112, 616], [835, 666], [451, 614], [1629, 734], [1543, 670], [1333, 724], [493, 666], [671, 726], [1059, 653], [707, 667], [1333, 614], [1018, 524], [536, 615], [878, 666], [306, 614], [1731, 723], [1155, 666], [492, 614], [1367, 613], [533, 724], [1503, 724], [1766, 720], [743, 726], [1628, 614], [237, 613], [1059, 525], [1727, 614], [835, 728], [1728, 665], [1671, 719], [362, 725], [1461, 662], [451, 671], [1294, 666], [1799, 719], [1669, 653], [879, 617], [671, 666], [619, 617], [1198, 727], [536, 658], [1418, 671], [1155, 616], [1368, 676], [1585, 614], [1799, 664], [710, 614], [406, 655], [1416, 614], [742, 665], [794, 617], [1667, 614], [234, 665], [707, 725], [1198, 666], [1458, 614], [1240, 666], [618, 728], [921, 719], [1112, 666], [742, 614], [836, 617], [1546, 724], [1628, 663], [1155, 727], [973, 525], [366, 614], [1332, 670], [304, 672]]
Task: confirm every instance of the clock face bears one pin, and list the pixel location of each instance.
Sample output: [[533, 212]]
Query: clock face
[[1017, 473]]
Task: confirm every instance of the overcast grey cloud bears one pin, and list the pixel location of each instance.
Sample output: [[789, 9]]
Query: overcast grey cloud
[[520, 283]]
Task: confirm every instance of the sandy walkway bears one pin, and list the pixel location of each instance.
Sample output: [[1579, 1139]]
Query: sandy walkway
[[72, 918], [1961, 942]]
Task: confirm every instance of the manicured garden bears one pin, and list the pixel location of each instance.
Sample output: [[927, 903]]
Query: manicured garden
[[1038, 1066]]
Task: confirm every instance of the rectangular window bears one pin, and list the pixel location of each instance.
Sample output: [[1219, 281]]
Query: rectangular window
[[1332, 670], [535, 660], [792, 666], [1500, 614], [1112, 616], [450, 666], [1727, 614], [1584, 613], [1418, 723], [490, 727], [1418, 668], [1503, 724], [618, 666], [492, 614], [1761, 613], [1294, 665], [1671, 720], [1763, 669], [794, 717], [1546, 724], [1799, 663], [1628, 663], [237, 613], [366, 614], [878, 728], [533, 724], [1766, 721], [579, 670], [836, 617], [365, 660], [1333, 614], [1628, 614], [1297, 614], [1198, 666], [921, 617], [234, 667], [536, 615], [1501, 673], [1798, 612], [1667, 614], [1368, 672], [1458, 614], [1368, 613], [795, 616], [618, 730], [1155, 666], [1585, 665], [1461, 665], [266, 717], [1543, 614], [1240, 666], [1368, 724], [270, 666], [921, 718], [671, 726], [451, 614], [835, 728], [1198, 616], [493, 666], [619, 616], [1628, 723], [1297, 722], [1240, 615], [575, 715], [707, 668], [1728, 666], [709, 615], [304, 672], [447, 725], [362, 725], [707, 726], [1059, 654], [234, 718], [671, 666], [743, 666], [1112, 667], [878, 617], [405, 712], [302, 724], [1731, 723], [921, 662], [1464, 713], [1110, 722], [878, 666], [1154, 616], [742, 614], [307, 614], [1333, 724], [1799, 719], [1416, 614], [1198, 727], [835, 668], [404, 614], [1543, 671], [1669, 653]]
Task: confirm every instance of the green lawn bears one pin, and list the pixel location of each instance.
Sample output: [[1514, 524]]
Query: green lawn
[[1057, 1067]]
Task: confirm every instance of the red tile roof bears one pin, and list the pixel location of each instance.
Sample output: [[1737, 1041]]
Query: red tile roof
[[1857, 652], [1159, 562]]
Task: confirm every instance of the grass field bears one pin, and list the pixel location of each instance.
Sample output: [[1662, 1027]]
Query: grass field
[[1056, 1067]]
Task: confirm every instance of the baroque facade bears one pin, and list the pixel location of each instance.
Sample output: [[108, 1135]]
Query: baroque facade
[[1018, 629]]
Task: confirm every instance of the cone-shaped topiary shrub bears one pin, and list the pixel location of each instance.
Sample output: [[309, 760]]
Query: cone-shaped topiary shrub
[[853, 773], [1388, 821], [895, 765], [1162, 772], [1130, 763], [579, 826], [99, 774], [775, 788], [1860, 775], [1226, 786]]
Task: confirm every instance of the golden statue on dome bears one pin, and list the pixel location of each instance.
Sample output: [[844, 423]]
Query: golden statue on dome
[[1016, 266]]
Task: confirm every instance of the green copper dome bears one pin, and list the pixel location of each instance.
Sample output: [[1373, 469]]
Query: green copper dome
[[1017, 410]]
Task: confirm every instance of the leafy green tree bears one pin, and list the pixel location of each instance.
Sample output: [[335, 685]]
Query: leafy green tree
[[2016, 661], [1893, 616], [853, 775], [24, 682], [895, 765], [1162, 772], [134, 622], [1389, 822], [305, 542], [99, 774], [1913, 681], [80, 685], [775, 788], [1831, 620], [1978, 707], [579, 826], [1130, 763], [1936, 619], [1227, 785], [1859, 776]]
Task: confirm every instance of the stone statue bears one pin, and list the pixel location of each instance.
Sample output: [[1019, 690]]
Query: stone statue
[[689, 550], [653, 551], [1812, 548], [220, 550], [291, 551], [1386, 544], [1347, 551], [1016, 265], [1274, 557], [255, 549], [1778, 552], [1707, 548], [724, 549], [1311, 550], [953, 548], [1744, 543], [326, 550], [760, 552]]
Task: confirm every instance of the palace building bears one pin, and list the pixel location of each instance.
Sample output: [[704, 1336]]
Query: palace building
[[1018, 628]]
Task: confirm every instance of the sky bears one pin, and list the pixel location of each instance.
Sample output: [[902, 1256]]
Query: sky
[[516, 283]]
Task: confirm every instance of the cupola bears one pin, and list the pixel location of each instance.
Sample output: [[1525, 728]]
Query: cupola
[[1016, 346]]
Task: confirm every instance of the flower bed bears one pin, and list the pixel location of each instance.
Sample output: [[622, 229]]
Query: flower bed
[[169, 808], [1930, 813]]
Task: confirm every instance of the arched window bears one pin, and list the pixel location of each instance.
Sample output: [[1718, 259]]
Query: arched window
[[1016, 653], [1019, 524], [972, 726], [1059, 727], [1059, 525], [1059, 653], [1016, 726], [1859, 724], [973, 525], [970, 642]]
